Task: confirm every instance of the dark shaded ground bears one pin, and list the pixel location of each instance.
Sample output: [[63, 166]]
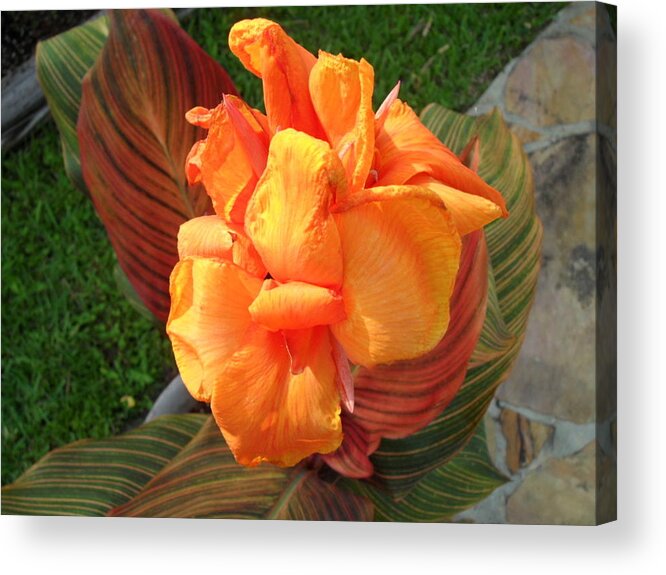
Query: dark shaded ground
[[22, 30]]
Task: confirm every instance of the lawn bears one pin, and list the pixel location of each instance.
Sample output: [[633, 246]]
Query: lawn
[[77, 360]]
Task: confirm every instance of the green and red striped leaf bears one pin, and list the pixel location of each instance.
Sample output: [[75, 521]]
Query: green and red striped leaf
[[92, 477], [134, 141], [444, 492], [514, 247], [61, 63], [174, 466], [204, 480]]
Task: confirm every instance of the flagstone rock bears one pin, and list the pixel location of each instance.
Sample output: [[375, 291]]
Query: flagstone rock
[[525, 135], [554, 83], [552, 425], [555, 373], [524, 439], [562, 492]]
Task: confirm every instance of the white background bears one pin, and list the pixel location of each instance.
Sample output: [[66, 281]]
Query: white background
[[635, 543]]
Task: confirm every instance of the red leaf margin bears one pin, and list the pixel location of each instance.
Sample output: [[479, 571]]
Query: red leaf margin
[[134, 141]]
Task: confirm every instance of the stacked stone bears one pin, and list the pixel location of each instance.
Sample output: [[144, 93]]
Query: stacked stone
[[552, 425]]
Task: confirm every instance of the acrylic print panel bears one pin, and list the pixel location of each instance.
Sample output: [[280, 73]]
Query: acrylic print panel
[[370, 287]]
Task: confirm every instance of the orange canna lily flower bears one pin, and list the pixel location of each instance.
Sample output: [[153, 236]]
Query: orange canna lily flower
[[336, 239]]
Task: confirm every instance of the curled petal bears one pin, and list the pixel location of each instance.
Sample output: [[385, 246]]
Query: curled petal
[[398, 281], [199, 116], [386, 193], [209, 317], [245, 255], [266, 412], [407, 148], [249, 132], [228, 162], [345, 377], [265, 50], [382, 111], [193, 163], [206, 236], [469, 212], [288, 217], [341, 92], [397, 400], [296, 305]]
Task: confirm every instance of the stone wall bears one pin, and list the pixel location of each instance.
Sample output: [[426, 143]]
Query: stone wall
[[552, 425]]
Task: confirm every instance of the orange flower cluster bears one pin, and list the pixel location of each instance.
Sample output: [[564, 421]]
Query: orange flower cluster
[[337, 238]]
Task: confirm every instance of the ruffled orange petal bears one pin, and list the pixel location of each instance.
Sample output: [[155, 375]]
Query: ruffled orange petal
[[288, 217], [266, 412], [296, 305], [265, 50], [245, 255], [207, 237], [208, 319], [341, 91], [469, 212], [228, 163], [407, 148], [193, 162], [397, 400], [398, 278]]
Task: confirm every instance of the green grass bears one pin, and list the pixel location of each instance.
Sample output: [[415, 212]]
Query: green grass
[[72, 347]]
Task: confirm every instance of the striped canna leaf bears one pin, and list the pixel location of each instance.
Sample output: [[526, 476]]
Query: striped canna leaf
[[134, 139], [514, 250], [174, 466], [442, 493], [61, 63], [92, 477]]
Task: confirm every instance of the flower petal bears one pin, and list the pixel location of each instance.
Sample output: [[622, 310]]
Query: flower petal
[[345, 377], [469, 212], [399, 276], [227, 163], [245, 256], [407, 148], [266, 413], [209, 316], [265, 50], [341, 91], [296, 305], [397, 400], [288, 217], [205, 236]]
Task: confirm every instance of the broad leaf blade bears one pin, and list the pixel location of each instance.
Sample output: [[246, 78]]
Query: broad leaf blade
[[514, 248], [174, 466], [61, 64], [134, 140], [442, 493], [204, 480], [91, 477], [127, 289]]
